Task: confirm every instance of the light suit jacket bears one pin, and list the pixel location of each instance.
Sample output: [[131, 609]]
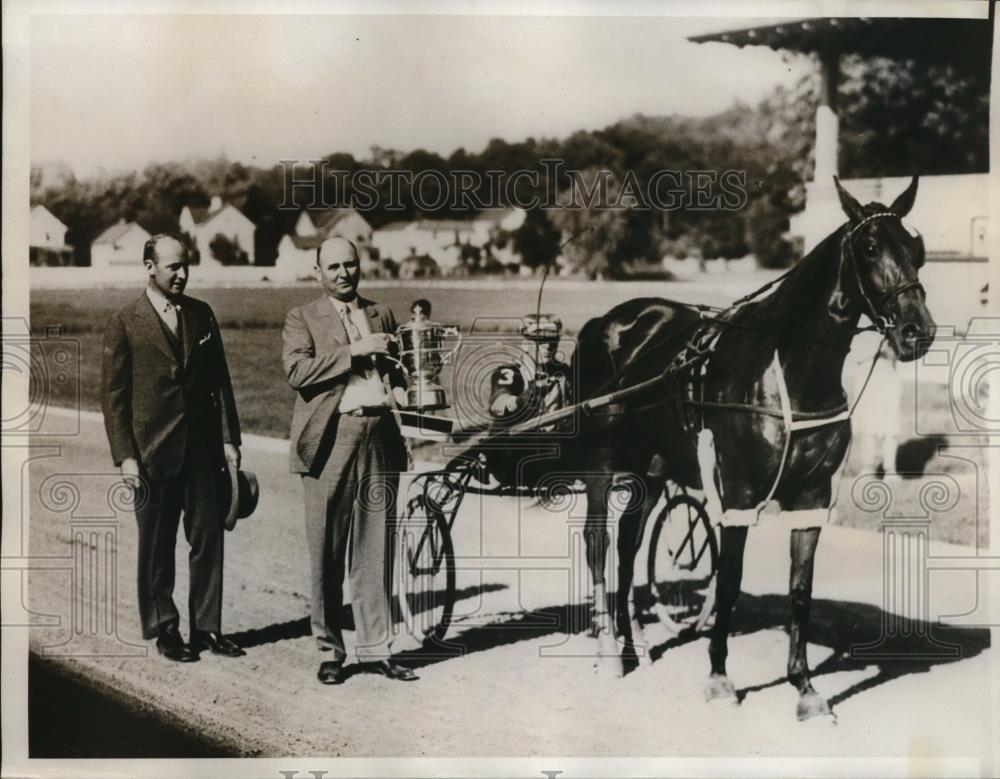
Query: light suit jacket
[[316, 355]]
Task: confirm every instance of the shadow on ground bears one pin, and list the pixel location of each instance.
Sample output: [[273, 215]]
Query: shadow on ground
[[859, 636], [856, 633], [299, 628]]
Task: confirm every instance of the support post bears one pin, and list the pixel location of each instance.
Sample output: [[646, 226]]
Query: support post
[[827, 122]]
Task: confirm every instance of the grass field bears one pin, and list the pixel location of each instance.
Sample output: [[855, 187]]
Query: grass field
[[251, 320]]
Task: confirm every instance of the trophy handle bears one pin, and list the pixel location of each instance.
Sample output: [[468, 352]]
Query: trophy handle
[[396, 360], [457, 333]]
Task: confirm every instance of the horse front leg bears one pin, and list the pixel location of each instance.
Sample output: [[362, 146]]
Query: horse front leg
[[803, 552], [608, 660], [727, 589]]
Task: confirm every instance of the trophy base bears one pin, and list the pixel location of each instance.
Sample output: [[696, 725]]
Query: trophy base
[[425, 399], [425, 426]]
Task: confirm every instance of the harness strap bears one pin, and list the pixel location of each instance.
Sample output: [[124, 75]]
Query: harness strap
[[806, 424], [800, 419], [806, 421]]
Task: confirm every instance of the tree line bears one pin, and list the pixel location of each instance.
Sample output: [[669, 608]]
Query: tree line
[[896, 118]]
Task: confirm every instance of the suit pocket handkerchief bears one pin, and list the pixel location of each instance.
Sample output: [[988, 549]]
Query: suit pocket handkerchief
[[205, 339]]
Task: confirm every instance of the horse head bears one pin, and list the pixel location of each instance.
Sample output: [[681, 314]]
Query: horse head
[[880, 258]]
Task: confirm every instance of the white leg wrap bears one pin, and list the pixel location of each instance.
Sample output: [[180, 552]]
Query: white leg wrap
[[741, 517], [706, 466], [805, 518]]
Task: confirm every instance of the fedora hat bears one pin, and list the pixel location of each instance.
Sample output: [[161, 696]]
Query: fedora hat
[[238, 493]]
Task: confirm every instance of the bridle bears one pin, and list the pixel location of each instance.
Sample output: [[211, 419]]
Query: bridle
[[882, 322]]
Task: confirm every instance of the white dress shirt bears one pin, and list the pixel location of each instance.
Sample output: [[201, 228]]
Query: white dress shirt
[[362, 391], [166, 310]]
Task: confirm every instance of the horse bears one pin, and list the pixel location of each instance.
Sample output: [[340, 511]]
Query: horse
[[762, 417]]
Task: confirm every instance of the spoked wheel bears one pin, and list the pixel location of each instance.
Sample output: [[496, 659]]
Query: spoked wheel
[[683, 556], [424, 578]]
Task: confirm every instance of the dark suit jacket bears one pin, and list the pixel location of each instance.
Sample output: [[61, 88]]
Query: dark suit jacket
[[316, 354], [157, 406]]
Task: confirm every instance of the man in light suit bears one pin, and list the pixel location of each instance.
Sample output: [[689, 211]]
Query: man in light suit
[[347, 448], [170, 418]]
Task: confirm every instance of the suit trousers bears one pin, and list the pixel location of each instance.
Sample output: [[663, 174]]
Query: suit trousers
[[350, 506], [192, 491]]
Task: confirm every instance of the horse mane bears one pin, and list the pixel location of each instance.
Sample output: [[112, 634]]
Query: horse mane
[[795, 298]]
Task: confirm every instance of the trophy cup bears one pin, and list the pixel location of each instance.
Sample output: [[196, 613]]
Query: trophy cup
[[422, 353], [541, 327]]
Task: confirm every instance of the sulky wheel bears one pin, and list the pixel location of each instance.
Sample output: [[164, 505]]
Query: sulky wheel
[[424, 577], [683, 556]]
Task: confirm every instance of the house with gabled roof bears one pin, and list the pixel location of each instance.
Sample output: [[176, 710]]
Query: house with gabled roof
[[121, 244], [297, 251], [444, 239], [335, 221], [47, 238], [46, 231], [204, 225]]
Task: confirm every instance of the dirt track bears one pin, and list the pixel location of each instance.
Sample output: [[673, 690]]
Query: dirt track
[[524, 684]]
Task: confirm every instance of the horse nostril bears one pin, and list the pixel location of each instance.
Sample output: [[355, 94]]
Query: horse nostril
[[910, 333]]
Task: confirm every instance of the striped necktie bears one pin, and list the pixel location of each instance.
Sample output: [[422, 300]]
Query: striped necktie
[[353, 333]]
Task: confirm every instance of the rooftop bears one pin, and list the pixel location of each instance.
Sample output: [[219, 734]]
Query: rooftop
[[116, 231], [963, 43]]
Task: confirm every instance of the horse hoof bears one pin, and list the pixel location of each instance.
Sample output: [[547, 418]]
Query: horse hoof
[[720, 688], [608, 661], [812, 705], [608, 667], [640, 646]]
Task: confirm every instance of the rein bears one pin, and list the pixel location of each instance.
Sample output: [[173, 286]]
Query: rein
[[697, 353], [880, 323]]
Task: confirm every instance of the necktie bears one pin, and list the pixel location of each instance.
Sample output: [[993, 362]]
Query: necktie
[[353, 333], [178, 322]]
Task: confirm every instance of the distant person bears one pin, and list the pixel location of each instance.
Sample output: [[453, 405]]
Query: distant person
[[171, 420], [347, 448], [541, 381], [877, 420], [420, 310]]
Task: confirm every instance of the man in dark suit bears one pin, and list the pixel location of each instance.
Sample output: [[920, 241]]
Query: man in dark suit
[[348, 449], [171, 421]]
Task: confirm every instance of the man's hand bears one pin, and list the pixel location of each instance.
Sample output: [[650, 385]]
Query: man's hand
[[400, 395], [130, 472], [232, 454], [376, 343]]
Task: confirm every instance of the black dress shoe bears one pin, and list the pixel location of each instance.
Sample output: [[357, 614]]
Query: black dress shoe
[[170, 644], [394, 671], [217, 643], [331, 672]]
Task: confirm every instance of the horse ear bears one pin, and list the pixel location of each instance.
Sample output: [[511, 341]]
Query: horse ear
[[851, 206], [901, 205]]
